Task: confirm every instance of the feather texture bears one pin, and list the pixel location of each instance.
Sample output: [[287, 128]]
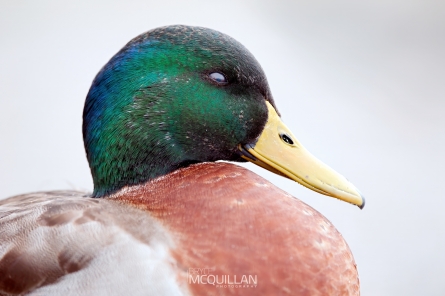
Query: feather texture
[[65, 243], [143, 240]]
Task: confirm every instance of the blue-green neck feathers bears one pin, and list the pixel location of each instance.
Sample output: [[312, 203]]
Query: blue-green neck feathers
[[153, 108]]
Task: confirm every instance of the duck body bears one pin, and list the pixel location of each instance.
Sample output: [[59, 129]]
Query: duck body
[[164, 218], [151, 239]]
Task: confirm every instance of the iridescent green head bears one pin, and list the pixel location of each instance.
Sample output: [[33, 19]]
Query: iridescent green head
[[171, 97]]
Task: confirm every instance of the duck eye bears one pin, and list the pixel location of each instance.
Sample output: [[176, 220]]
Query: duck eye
[[218, 78]]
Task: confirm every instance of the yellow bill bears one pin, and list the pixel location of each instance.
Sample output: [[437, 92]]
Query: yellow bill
[[278, 151]]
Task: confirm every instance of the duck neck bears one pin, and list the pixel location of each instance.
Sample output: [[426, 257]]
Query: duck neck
[[127, 134], [117, 169]]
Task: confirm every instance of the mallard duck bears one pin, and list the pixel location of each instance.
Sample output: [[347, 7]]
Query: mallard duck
[[165, 218]]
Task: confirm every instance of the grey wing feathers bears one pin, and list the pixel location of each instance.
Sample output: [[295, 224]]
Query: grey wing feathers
[[65, 243]]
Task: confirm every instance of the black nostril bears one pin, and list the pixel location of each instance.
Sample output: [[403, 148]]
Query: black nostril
[[286, 139]]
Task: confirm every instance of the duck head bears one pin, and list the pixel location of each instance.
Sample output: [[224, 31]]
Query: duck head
[[180, 95]]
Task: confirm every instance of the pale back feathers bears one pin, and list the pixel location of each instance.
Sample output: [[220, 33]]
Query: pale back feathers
[[65, 243]]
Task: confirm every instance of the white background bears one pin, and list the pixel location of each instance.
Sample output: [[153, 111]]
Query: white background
[[361, 84]]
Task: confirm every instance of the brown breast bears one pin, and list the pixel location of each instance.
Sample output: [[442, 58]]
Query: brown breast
[[228, 222]]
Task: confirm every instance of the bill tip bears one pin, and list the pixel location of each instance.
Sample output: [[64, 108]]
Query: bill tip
[[363, 203]]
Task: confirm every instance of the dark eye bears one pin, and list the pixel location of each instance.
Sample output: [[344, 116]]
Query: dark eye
[[218, 78]]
